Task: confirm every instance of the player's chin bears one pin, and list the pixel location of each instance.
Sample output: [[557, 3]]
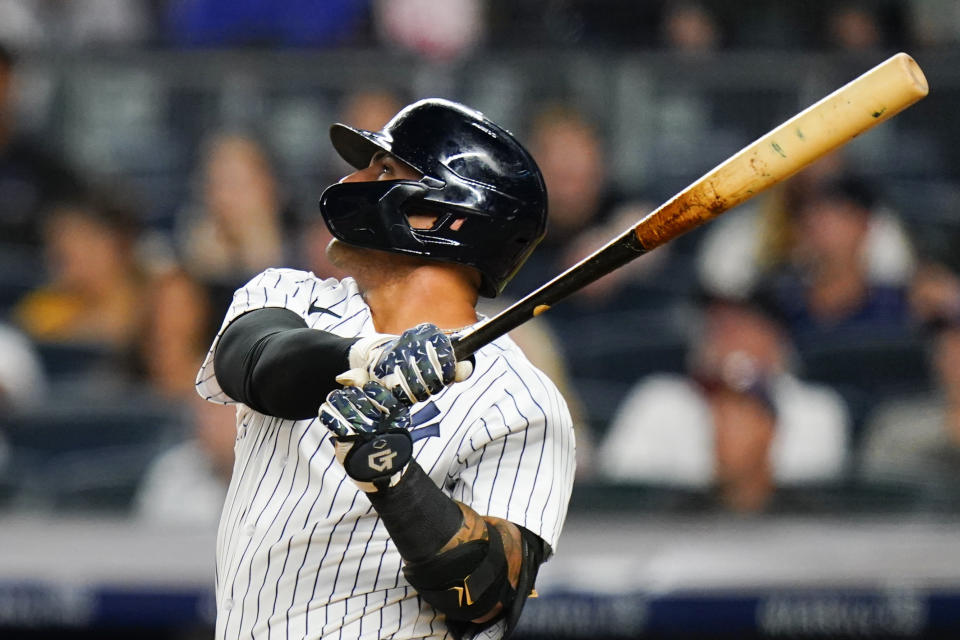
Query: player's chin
[[356, 260], [342, 255]]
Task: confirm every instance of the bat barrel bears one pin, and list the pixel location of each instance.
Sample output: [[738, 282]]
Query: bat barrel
[[873, 97]]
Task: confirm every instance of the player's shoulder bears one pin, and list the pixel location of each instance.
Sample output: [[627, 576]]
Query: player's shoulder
[[285, 276], [296, 290], [299, 283]]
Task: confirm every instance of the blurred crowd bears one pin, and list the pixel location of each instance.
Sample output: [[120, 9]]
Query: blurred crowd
[[456, 27], [805, 346]]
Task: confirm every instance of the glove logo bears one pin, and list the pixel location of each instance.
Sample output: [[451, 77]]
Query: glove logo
[[381, 460]]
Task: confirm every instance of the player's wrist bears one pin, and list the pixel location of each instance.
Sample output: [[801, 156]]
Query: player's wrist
[[419, 517], [378, 463]]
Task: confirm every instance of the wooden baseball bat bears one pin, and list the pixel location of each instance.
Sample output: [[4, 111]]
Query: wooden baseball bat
[[875, 96]]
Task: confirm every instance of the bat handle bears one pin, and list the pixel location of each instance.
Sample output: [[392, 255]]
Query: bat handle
[[614, 255]]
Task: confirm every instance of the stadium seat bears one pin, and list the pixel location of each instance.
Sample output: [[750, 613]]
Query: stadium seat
[[623, 346], [870, 365], [21, 270], [84, 452], [72, 360]]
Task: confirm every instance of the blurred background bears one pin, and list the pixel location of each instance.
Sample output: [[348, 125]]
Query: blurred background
[[768, 408]]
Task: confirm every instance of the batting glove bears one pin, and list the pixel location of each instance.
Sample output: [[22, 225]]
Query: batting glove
[[414, 366], [371, 436]]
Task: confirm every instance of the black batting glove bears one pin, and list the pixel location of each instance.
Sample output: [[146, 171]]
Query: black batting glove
[[414, 366], [371, 434], [418, 364]]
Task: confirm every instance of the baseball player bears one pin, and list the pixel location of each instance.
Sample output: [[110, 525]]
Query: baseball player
[[400, 505]]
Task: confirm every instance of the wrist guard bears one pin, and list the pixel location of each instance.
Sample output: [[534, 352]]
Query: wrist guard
[[375, 462]]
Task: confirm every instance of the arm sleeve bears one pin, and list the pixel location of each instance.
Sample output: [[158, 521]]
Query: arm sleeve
[[271, 361]]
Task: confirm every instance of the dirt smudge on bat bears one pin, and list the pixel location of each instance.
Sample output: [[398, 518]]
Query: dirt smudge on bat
[[877, 114], [759, 167], [800, 133], [680, 215], [776, 147]]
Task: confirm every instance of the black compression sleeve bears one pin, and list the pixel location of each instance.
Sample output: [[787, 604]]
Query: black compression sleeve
[[271, 361], [419, 517]]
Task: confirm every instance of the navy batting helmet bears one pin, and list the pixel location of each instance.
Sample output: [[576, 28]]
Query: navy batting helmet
[[484, 187]]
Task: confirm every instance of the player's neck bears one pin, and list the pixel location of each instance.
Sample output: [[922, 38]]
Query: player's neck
[[436, 294]]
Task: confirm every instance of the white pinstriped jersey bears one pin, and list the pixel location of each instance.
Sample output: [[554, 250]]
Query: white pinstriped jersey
[[301, 553]]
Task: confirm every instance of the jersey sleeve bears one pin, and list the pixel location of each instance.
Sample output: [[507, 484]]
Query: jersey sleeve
[[284, 288], [518, 461]]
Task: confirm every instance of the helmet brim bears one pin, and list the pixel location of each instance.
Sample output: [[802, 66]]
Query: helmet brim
[[357, 146]]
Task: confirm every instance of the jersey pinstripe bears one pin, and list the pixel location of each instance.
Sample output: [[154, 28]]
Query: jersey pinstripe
[[300, 551]]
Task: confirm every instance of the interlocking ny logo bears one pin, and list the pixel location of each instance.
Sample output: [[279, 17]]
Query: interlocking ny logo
[[381, 460]]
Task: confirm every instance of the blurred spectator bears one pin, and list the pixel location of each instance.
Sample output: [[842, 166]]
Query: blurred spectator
[[849, 25], [570, 152], [858, 25], [760, 24], [94, 287], [689, 27], [608, 291], [573, 23], [825, 291], [586, 212], [176, 329], [853, 27], [435, 30], [238, 226], [30, 177], [265, 23], [23, 382], [739, 422], [187, 484], [77, 23], [934, 22], [916, 440], [584, 209], [364, 108], [935, 294], [369, 109], [746, 245]]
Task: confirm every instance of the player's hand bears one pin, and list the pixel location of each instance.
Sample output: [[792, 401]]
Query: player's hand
[[414, 366], [371, 436]]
